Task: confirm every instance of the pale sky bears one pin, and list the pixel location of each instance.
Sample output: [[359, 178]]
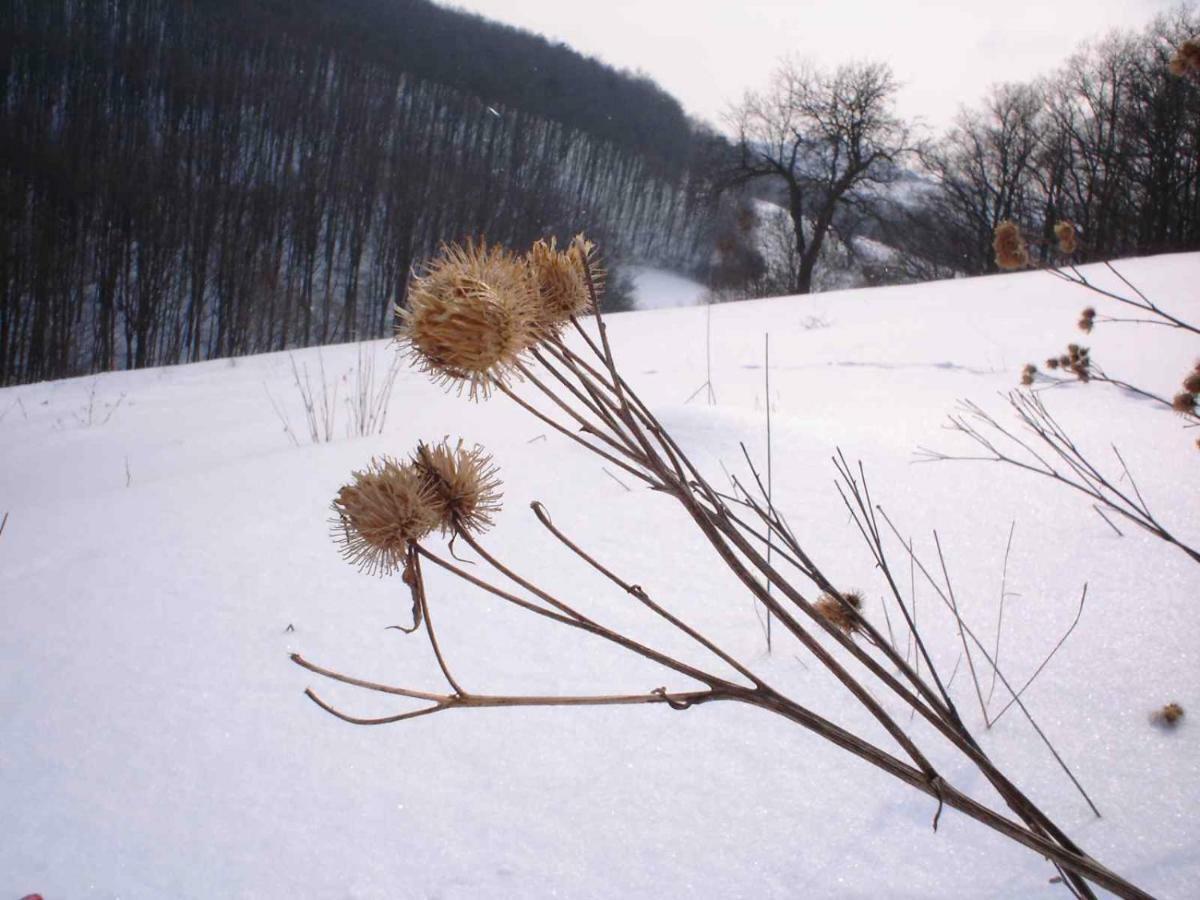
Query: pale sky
[[707, 54]]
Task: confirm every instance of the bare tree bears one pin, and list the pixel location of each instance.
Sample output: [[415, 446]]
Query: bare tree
[[829, 137]]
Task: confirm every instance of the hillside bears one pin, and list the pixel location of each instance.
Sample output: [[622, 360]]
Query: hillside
[[167, 547]]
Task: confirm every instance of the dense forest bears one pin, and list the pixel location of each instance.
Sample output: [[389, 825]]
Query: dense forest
[[189, 179], [183, 180]]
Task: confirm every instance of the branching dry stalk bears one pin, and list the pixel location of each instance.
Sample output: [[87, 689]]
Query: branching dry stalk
[[576, 388], [1046, 449]]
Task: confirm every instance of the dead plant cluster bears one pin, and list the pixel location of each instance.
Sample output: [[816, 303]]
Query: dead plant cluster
[[484, 320]]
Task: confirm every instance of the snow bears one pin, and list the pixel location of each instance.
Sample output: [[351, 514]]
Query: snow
[[659, 289], [161, 563]]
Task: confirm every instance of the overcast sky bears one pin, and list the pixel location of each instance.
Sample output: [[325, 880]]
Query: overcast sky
[[707, 53]]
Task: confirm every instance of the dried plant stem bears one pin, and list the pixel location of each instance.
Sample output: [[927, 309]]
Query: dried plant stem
[[593, 406], [1062, 640], [1000, 612], [1073, 468]]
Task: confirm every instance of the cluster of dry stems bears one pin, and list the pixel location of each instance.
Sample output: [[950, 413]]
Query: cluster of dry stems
[[486, 320]]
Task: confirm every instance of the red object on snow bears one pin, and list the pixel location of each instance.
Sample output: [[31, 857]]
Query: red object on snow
[[33, 897]]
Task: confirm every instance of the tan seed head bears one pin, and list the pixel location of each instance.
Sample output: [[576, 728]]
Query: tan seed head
[[470, 316], [842, 615], [386, 506], [1009, 244], [462, 483], [561, 284]]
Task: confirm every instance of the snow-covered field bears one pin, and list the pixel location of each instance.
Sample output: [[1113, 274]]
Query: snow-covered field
[[164, 556], [660, 289]]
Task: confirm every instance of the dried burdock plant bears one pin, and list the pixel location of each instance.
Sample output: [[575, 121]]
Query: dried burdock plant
[[561, 286], [1087, 319], [1169, 715], [570, 381], [463, 485], [842, 611], [387, 505], [470, 316], [1184, 403], [1011, 250], [1028, 374], [1186, 61], [1064, 233]]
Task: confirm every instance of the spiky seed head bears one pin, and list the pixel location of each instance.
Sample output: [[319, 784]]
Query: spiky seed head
[[1064, 233], [841, 615], [1085, 325], [470, 316], [1052, 362], [1009, 244], [583, 252], [1028, 374], [1169, 715], [462, 483], [1089, 312], [386, 507], [1186, 61], [561, 284], [1184, 402], [1191, 384]]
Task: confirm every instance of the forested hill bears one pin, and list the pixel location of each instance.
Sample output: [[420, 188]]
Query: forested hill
[[485, 59], [184, 179]]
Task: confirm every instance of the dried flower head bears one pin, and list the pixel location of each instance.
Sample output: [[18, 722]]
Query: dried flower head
[[386, 506], [1009, 244], [1184, 402], [1191, 383], [470, 316], [1085, 325], [462, 483], [1052, 362], [561, 284], [1169, 715], [1028, 374], [1186, 61], [1077, 360], [844, 616], [584, 253], [1064, 233]]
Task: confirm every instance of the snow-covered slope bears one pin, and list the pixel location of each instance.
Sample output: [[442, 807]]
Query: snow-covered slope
[[660, 289], [160, 563]]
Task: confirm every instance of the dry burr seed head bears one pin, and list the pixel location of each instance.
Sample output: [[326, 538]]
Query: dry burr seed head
[[1028, 374], [1064, 233], [470, 316], [463, 485], [1169, 715], [380, 512], [1009, 244], [1052, 362], [584, 253], [1184, 402], [561, 284], [843, 616], [1191, 383], [1186, 61]]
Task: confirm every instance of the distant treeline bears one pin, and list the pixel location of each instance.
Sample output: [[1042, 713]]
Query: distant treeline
[[1110, 142], [182, 180]]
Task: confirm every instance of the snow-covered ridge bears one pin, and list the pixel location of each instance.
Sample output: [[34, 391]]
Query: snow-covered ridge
[[167, 549]]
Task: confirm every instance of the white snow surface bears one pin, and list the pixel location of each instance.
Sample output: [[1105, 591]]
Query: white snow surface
[[155, 740], [660, 288]]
